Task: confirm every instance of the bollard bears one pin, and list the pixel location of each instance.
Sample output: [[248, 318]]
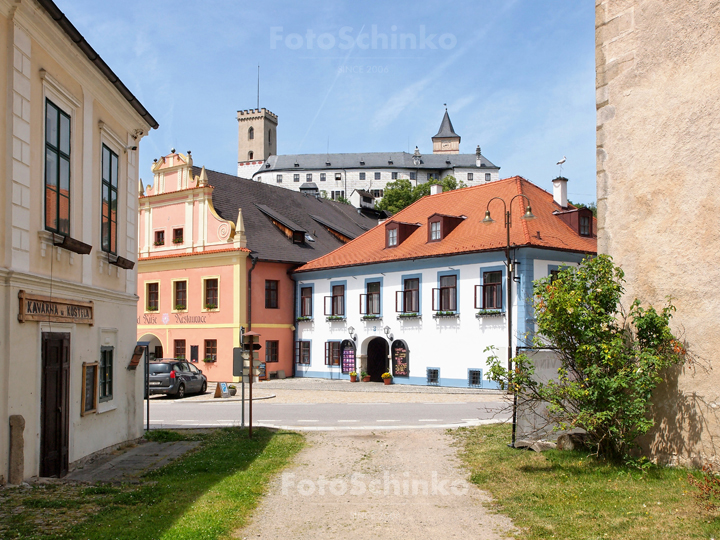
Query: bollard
[[17, 449]]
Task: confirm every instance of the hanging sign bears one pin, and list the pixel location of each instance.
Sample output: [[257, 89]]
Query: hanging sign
[[44, 308], [400, 359], [348, 356]]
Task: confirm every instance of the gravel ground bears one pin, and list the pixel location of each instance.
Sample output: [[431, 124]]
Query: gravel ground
[[368, 485]]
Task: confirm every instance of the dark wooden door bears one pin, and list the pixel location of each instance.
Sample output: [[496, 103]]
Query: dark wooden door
[[159, 352], [377, 354], [55, 417]]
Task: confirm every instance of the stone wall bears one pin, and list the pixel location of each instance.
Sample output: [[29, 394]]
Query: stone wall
[[658, 193]]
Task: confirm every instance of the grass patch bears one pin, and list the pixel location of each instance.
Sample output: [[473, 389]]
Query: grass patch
[[573, 496], [204, 495]]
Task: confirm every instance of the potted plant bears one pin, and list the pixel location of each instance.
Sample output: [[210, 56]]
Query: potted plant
[[353, 376], [232, 389], [210, 306], [387, 377], [365, 376], [209, 359]]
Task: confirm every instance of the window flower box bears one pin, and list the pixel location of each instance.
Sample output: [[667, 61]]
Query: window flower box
[[180, 307], [335, 318], [372, 318], [409, 316], [158, 243], [209, 359], [210, 306], [151, 308], [303, 319], [489, 313], [177, 240], [445, 315]]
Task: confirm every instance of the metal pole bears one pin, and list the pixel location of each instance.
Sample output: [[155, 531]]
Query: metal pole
[[242, 381], [509, 289], [147, 385], [252, 362]]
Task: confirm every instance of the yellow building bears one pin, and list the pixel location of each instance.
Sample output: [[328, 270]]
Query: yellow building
[[68, 242]]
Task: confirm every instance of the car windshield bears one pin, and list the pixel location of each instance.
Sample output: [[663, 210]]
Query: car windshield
[[159, 368]]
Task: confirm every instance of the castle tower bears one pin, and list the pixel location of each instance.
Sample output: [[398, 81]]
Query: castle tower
[[257, 138], [446, 141]]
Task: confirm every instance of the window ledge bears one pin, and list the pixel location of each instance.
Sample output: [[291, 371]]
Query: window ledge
[[304, 319], [335, 319], [372, 317], [481, 314], [446, 315], [106, 406], [409, 316]]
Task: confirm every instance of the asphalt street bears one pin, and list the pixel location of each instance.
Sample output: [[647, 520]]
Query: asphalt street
[[327, 416]]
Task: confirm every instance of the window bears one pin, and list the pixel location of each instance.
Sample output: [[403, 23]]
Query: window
[[179, 349], [554, 274], [106, 373], [250, 155], [302, 352], [211, 349], [408, 300], [296, 177], [377, 193], [338, 176], [332, 353], [362, 176], [308, 177], [470, 177], [433, 375], [335, 304], [88, 399], [306, 302], [108, 229], [584, 226], [177, 236], [491, 291], [159, 238], [394, 176], [322, 176], [180, 295], [211, 293], [251, 133], [57, 169], [337, 195], [279, 178], [370, 301], [392, 237], [271, 351], [434, 231], [487, 177], [152, 295], [271, 294], [445, 297], [377, 176], [475, 378], [413, 176]]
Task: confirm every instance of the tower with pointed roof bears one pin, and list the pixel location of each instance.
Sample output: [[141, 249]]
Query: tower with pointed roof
[[446, 141]]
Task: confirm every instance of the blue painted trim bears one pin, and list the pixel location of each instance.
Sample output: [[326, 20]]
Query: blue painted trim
[[304, 285], [298, 364], [402, 287], [456, 273], [342, 282], [503, 280], [375, 280], [411, 381]]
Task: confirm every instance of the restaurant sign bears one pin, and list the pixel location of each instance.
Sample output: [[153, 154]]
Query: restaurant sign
[[44, 308]]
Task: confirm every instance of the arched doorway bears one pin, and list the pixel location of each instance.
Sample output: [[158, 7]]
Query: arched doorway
[[377, 356], [155, 348]]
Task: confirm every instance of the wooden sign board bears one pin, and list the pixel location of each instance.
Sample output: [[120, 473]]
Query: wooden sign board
[[137, 355], [221, 390], [34, 307]]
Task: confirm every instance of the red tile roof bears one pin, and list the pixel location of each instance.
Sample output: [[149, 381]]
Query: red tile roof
[[471, 235]]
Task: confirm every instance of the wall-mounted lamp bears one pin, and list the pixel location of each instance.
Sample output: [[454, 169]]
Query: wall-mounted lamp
[[352, 333], [387, 333]]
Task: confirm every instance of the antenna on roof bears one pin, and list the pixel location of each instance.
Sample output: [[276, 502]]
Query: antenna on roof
[[258, 95]]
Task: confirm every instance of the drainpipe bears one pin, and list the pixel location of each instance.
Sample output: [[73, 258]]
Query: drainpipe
[[249, 300], [296, 286]]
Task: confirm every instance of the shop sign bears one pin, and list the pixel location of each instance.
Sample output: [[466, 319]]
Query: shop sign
[[400, 359], [34, 307]]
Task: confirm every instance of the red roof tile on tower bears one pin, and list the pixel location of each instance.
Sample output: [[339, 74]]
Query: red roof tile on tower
[[547, 231]]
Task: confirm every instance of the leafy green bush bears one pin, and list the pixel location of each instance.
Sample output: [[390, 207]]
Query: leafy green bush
[[611, 360]]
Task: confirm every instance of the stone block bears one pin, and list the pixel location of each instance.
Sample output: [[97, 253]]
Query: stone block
[[22, 40], [17, 449]]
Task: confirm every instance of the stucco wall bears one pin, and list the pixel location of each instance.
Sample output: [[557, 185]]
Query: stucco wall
[[658, 165]]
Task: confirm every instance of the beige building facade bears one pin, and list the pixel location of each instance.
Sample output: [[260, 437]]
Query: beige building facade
[[68, 242], [658, 193]]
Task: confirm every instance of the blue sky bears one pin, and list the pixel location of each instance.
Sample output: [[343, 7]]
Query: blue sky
[[518, 76]]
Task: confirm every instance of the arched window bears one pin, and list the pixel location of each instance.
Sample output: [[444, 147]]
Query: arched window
[[250, 155], [251, 133]]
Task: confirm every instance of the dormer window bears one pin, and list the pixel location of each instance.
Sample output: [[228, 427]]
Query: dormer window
[[435, 233], [392, 237], [585, 229], [298, 237]]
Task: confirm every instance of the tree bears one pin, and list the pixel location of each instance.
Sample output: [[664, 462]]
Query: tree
[[592, 206], [611, 361], [401, 193]]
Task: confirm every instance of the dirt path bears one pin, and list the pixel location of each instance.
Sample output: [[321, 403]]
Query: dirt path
[[367, 485]]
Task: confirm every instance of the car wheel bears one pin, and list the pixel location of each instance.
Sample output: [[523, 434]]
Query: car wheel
[[181, 391], [203, 388]]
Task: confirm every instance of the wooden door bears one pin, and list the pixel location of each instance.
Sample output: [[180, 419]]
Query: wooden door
[[158, 352], [55, 417]]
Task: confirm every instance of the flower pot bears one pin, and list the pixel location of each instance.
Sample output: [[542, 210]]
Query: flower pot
[[366, 379], [353, 378], [387, 381]]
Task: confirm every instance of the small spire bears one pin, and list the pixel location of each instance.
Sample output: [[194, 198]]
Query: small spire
[[141, 188], [203, 177], [240, 236]]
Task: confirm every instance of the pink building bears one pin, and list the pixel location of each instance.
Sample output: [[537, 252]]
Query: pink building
[[215, 255]]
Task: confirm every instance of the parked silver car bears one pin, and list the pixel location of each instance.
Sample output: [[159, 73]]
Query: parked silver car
[[175, 378]]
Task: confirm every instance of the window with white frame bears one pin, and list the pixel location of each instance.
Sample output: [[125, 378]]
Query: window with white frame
[[445, 296], [57, 169]]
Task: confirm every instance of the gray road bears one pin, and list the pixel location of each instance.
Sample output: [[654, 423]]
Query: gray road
[[326, 416]]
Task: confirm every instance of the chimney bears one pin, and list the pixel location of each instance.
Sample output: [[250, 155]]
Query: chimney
[[560, 191], [435, 189], [478, 157]]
